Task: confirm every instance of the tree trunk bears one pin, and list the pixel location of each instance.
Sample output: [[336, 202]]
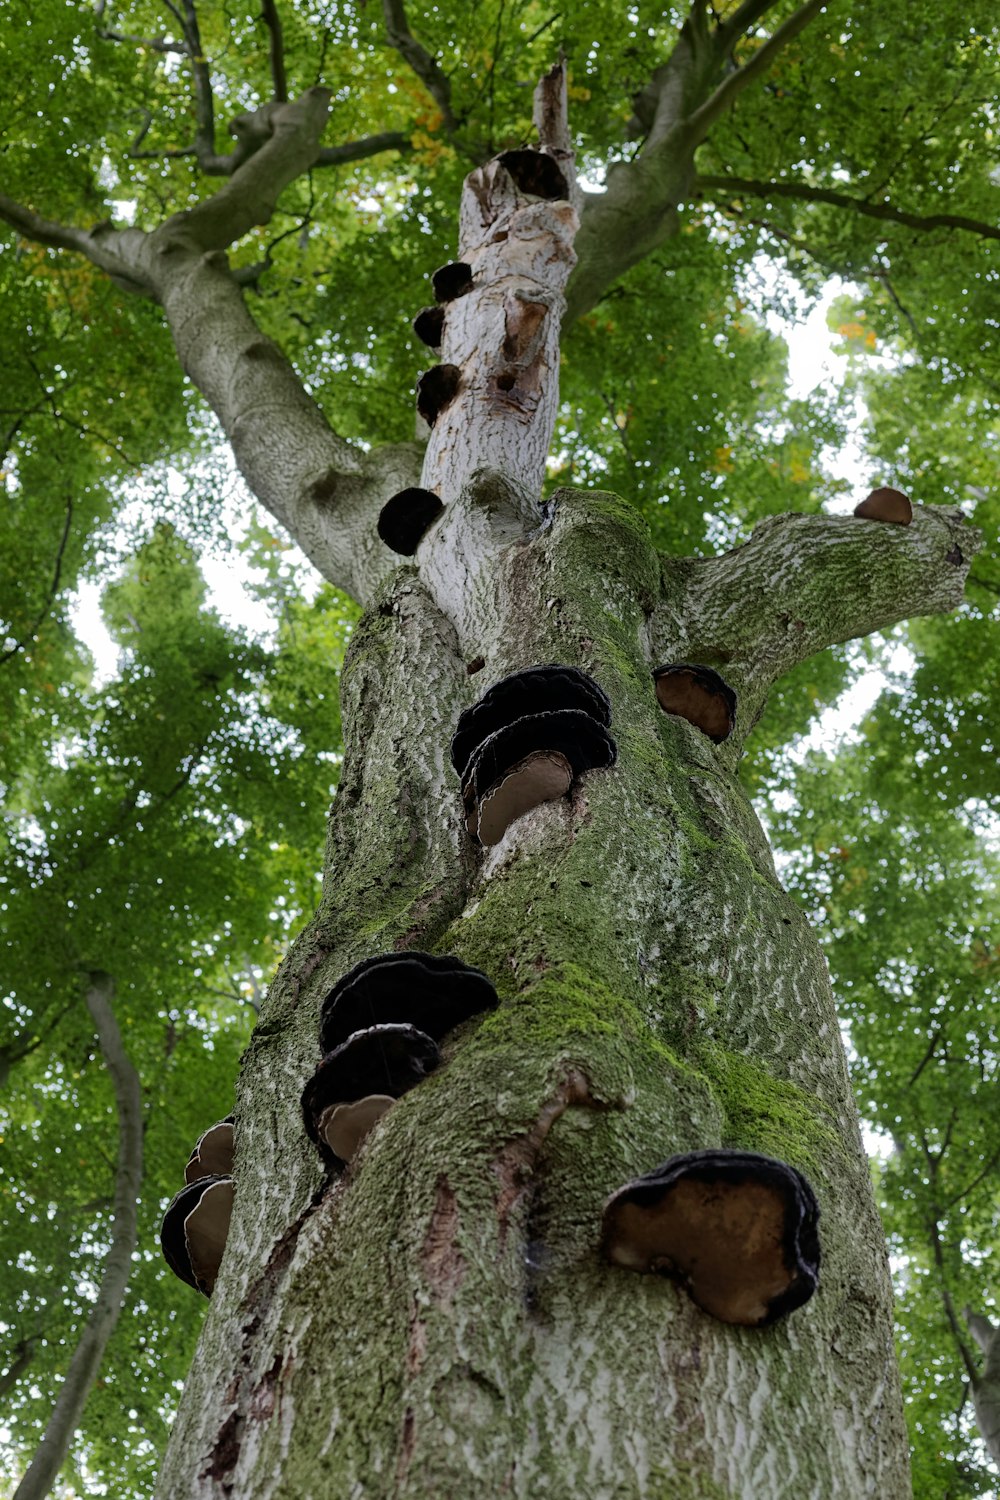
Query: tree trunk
[[41, 1473], [438, 1321]]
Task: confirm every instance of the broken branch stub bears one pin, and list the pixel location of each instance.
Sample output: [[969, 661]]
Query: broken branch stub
[[736, 1230], [405, 518], [699, 695], [433, 992], [535, 173], [886, 504]]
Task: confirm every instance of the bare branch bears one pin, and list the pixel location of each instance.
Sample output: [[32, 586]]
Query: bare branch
[[731, 87], [369, 145], [19, 645], [751, 187], [51, 1452], [252, 192], [426, 67], [91, 243], [204, 99], [269, 15]]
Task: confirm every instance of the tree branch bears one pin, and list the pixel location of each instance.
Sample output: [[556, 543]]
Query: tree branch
[[426, 67], [269, 15], [91, 243], [19, 645], [251, 195], [731, 87], [51, 1452], [369, 145], [802, 583], [751, 187]]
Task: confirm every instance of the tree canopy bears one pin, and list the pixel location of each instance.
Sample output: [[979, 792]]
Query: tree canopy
[[164, 827]]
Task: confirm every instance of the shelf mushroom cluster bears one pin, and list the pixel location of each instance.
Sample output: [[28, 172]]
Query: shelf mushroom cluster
[[380, 1029], [196, 1224], [736, 1230], [526, 741]]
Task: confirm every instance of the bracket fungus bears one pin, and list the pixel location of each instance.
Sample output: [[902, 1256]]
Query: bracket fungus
[[525, 741], [428, 325], [699, 695], [435, 388], [452, 280], [736, 1230], [536, 759], [386, 1060], [535, 172], [343, 1127], [213, 1153], [194, 1231], [433, 992], [534, 691], [405, 519], [886, 504]]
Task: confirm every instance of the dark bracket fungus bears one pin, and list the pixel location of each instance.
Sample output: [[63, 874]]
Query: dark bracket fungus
[[435, 388], [537, 690], [194, 1231], [736, 1230], [433, 992], [404, 520], [699, 695], [452, 280], [213, 1154], [387, 1060], [886, 504], [428, 325], [535, 172], [541, 753]]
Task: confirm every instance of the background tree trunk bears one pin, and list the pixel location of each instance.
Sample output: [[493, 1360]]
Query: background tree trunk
[[41, 1473]]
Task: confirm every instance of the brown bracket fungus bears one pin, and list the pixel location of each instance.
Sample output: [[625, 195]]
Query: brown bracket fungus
[[404, 520], [343, 1127], [534, 691], [434, 992], [194, 1231], [213, 1154], [435, 388], [886, 504], [699, 695], [387, 1060], [535, 172], [452, 280], [534, 760], [428, 325], [736, 1230]]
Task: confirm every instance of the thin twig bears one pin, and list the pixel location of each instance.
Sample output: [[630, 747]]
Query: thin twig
[[752, 187], [271, 19]]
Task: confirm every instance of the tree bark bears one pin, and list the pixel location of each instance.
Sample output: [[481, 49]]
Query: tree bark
[[51, 1453], [438, 1321], [986, 1386]]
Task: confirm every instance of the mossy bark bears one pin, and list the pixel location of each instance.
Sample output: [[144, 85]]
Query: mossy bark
[[438, 1322]]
